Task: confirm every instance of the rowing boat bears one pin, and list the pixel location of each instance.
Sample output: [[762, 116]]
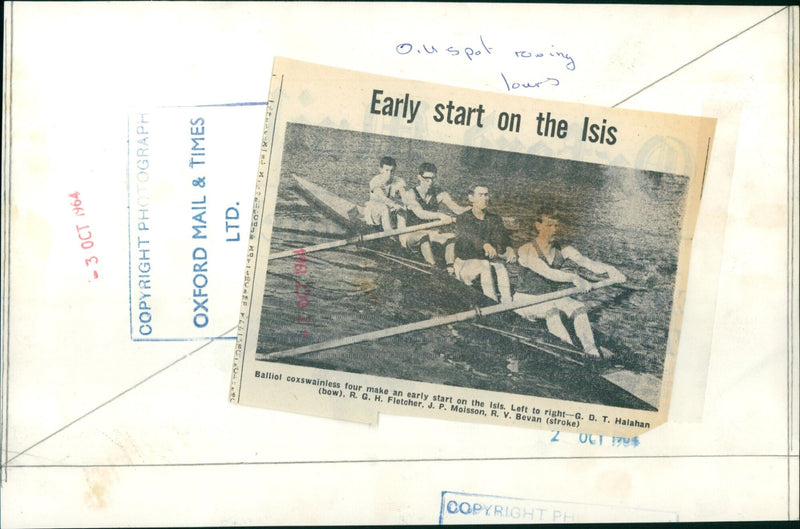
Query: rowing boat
[[525, 335]]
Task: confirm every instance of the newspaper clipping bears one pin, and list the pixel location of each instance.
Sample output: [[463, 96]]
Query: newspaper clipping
[[427, 250]]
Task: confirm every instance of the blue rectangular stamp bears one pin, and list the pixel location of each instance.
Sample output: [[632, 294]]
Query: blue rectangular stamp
[[465, 508], [191, 176]]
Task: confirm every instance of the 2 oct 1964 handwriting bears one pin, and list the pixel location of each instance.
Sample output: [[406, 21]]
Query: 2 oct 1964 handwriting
[[598, 440], [533, 66]]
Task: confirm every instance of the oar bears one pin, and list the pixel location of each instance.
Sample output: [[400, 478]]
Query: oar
[[416, 265], [361, 238], [433, 322], [591, 276]]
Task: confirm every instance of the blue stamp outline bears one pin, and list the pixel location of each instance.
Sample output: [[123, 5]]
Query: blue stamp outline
[[476, 495], [128, 185]]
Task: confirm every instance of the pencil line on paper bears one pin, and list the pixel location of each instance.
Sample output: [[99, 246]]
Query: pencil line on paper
[[698, 57], [792, 244], [242, 104], [792, 152], [128, 200], [5, 354], [390, 461], [115, 397], [790, 252], [793, 156]]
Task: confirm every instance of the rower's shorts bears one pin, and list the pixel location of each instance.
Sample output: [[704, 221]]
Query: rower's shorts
[[568, 306]]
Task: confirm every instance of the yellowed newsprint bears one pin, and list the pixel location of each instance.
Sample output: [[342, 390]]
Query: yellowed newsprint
[[447, 253]]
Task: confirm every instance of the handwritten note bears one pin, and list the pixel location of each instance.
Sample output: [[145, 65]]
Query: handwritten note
[[517, 69], [598, 440]]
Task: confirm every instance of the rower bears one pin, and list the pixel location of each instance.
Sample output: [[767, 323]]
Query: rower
[[545, 256], [481, 238], [384, 196], [422, 205]]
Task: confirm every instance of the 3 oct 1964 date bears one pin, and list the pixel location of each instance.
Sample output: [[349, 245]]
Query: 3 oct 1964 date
[[85, 236], [302, 289]]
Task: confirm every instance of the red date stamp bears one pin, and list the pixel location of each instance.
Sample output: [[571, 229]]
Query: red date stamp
[[302, 290], [84, 234]]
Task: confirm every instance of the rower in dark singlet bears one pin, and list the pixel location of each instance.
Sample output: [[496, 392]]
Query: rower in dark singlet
[[545, 258], [429, 202], [483, 246], [422, 204], [534, 282]]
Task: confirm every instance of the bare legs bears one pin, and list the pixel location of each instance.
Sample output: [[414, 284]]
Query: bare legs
[[551, 312], [471, 269]]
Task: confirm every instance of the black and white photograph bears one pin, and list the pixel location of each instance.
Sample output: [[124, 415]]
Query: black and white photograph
[[454, 229]]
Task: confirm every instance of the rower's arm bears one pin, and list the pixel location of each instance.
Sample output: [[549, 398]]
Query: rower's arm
[[536, 264], [509, 255], [445, 198], [597, 267], [376, 183], [376, 192]]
